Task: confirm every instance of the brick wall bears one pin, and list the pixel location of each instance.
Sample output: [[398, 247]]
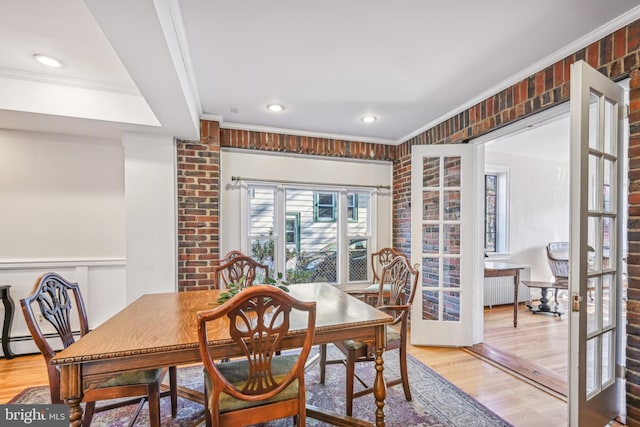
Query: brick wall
[[616, 56], [325, 147], [199, 187], [198, 211]]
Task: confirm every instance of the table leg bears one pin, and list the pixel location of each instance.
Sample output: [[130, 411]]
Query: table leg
[[8, 319], [544, 301], [516, 285], [71, 390], [379, 385]]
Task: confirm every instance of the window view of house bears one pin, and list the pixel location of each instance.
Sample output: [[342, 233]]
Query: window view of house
[[308, 239]]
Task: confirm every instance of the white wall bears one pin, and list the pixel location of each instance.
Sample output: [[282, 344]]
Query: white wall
[[293, 169], [60, 197], [538, 208], [151, 199], [62, 209]]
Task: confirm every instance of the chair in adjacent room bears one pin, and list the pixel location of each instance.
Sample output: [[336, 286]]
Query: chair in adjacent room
[[239, 266], [52, 295], [259, 386], [558, 258], [397, 285]]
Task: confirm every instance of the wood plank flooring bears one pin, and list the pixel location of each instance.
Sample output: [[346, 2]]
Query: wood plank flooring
[[515, 398]]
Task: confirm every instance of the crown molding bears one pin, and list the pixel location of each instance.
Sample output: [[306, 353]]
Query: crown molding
[[65, 81]]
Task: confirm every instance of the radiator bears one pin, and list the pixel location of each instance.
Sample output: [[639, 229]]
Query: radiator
[[499, 290]]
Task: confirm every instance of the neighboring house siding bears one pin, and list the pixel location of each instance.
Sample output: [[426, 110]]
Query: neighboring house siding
[[314, 235]]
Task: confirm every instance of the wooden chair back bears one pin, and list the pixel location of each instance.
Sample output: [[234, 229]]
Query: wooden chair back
[[231, 255], [258, 319], [55, 298], [398, 284], [60, 303], [237, 267], [381, 258]]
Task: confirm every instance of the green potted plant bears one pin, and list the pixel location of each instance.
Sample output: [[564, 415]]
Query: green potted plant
[[234, 288]]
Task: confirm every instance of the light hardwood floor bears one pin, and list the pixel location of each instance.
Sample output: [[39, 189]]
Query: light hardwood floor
[[512, 397]]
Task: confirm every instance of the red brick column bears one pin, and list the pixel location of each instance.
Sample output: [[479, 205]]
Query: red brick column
[[633, 227], [198, 211]]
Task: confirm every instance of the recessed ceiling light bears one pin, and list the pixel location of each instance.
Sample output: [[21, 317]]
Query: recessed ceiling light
[[368, 119], [275, 107], [47, 60]]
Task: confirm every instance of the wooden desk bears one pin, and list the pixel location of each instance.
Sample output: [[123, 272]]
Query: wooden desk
[[499, 269], [160, 330]]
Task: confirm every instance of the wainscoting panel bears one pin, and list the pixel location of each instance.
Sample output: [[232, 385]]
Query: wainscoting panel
[[102, 282]]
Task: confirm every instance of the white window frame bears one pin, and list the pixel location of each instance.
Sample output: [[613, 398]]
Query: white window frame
[[502, 204], [278, 237]]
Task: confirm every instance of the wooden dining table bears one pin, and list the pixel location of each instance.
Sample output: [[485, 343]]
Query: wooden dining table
[[160, 330]]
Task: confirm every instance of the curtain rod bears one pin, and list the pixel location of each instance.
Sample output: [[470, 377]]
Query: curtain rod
[[279, 181]]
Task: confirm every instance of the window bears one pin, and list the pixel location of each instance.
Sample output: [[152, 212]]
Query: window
[[352, 207], [496, 220], [295, 230], [490, 212], [325, 207], [292, 231]]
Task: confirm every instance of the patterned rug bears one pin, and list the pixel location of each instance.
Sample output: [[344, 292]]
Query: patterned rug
[[436, 402]]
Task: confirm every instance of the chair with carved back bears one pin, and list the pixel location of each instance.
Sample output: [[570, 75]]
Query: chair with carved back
[[56, 300], [231, 255], [239, 266], [381, 258], [259, 386], [397, 284]]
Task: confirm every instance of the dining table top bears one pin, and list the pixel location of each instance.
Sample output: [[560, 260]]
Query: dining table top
[[165, 322]]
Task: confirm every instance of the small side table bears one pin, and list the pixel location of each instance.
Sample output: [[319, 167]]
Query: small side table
[[544, 287], [8, 319]]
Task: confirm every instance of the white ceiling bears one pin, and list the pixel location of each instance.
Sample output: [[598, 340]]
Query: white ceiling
[[547, 140], [158, 66]]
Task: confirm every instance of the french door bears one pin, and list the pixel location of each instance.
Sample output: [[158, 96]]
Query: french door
[[595, 279], [445, 242]]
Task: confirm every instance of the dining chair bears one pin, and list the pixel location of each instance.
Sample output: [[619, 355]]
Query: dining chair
[[51, 294], [381, 258], [397, 285], [261, 385], [231, 255], [558, 259], [239, 266]]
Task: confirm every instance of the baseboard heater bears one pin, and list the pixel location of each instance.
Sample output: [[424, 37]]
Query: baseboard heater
[[499, 290]]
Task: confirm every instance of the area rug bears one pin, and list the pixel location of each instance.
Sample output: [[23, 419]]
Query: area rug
[[436, 402]]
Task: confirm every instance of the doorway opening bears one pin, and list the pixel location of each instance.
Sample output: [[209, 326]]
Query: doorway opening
[[527, 207]]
